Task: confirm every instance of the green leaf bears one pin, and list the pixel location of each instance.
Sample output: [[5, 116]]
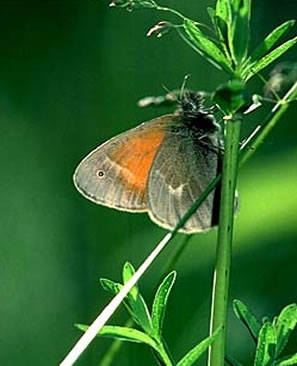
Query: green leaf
[[115, 288], [134, 302], [212, 15], [266, 348], [287, 361], [203, 45], [110, 286], [244, 314], [268, 59], [222, 30], [240, 34], [285, 324], [160, 301], [193, 355], [270, 41], [223, 10], [123, 333], [128, 272], [140, 313]]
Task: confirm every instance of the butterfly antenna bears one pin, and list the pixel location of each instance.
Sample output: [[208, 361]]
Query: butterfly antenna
[[165, 88], [182, 89]]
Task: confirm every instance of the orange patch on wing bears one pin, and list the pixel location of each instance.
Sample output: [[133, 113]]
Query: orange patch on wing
[[136, 157]]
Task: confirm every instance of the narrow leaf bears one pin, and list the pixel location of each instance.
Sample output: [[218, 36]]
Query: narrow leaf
[[235, 5], [136, 302], [133, 302], [272, 56], [265, 352], [223, 10], [123, 333], [222, 29], [244, 314], [241, 29], [212, 15], [193, 355], [115, 288], [128, 272], [287, 361], [110, 286], [205, 46], [285, 324], [140, 313], [271, 40], [160, 301]]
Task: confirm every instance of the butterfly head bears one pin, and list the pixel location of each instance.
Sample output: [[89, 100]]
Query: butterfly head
[[192, 113]]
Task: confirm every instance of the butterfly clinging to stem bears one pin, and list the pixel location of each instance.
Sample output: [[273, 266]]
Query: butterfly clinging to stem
[[160, 167]]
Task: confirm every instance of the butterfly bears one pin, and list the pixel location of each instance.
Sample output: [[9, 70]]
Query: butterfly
[[160, 167]]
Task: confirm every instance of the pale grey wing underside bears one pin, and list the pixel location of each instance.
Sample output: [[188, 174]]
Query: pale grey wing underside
[[181, 172], [112, 188], [105, 190]]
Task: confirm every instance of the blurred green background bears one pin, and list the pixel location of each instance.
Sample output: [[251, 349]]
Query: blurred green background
[[71, 74]]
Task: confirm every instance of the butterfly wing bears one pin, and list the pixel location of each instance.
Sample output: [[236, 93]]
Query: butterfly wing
[[116, 173], [183, 168]]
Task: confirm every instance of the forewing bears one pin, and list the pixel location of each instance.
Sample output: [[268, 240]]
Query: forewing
[[116, 173], [183, 168]]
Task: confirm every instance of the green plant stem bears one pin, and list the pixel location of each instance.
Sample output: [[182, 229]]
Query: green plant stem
[[224, 242], [273, 117], [270, 121], [165, 355]]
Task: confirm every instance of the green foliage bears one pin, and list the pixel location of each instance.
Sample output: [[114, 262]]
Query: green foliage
[[205, 46], [266, 60], [284, 325], [272, 336], [194, 354], [226, 46], [244, 314], [134, 303], [270, 41], [231, 97], [266, 347], [229, 50], [151, 324], [160, 302], [123, 333], [240, 29], [287, 361]]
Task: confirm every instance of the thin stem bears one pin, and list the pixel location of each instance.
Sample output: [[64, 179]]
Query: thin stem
[[116, 343], [253, 144], [178, 14], [104, 316], [270, 121], [162, 8], [165, 355], [224, 242]]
